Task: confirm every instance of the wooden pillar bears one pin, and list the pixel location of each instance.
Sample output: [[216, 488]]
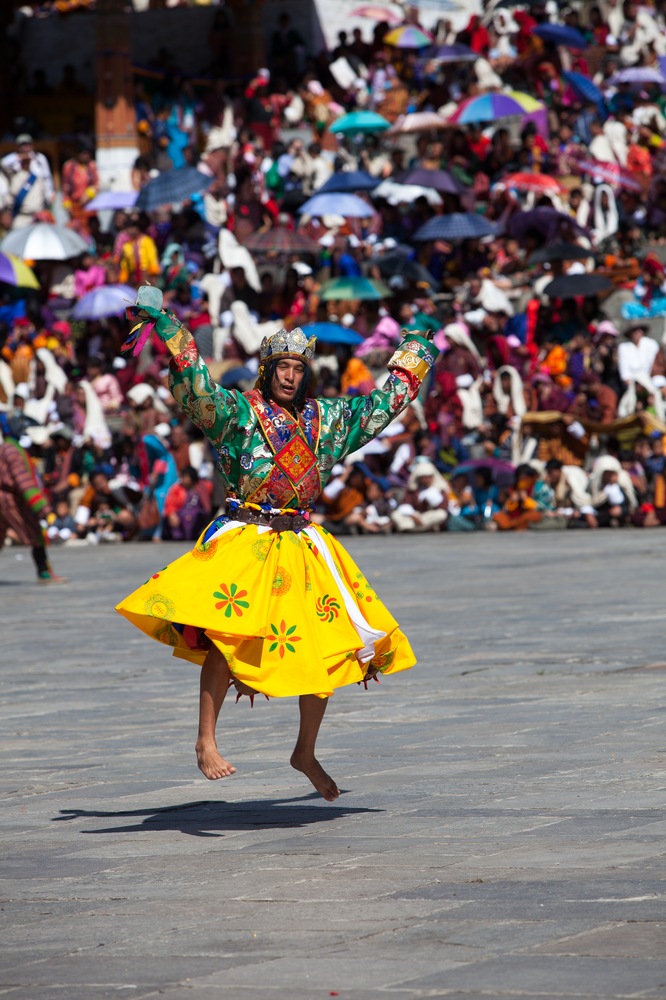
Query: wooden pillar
[[115, 119], [248, 51]]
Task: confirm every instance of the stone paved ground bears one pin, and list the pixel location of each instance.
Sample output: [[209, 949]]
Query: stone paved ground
[[501, 832]]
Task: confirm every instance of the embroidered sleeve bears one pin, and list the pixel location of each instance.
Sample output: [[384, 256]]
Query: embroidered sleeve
[[214, 410], [352, 422]]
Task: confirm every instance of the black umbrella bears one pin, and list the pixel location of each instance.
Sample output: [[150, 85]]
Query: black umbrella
[[457, 226], [559, 251], [394, 263], [571, 285]]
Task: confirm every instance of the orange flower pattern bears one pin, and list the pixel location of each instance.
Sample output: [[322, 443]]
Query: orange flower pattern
[[283, 638], [231, 600], [327, 608]]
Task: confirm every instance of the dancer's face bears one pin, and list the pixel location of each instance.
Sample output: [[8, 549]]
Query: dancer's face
[[287, 380]]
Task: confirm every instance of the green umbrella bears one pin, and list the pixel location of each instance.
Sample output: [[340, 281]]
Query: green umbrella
[[357, 288], [360, 121]]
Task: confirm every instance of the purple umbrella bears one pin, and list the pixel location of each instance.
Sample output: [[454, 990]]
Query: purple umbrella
[[440, 180], [639, 76], [112, 201], [548, 223], [109, 300], [453, 53]]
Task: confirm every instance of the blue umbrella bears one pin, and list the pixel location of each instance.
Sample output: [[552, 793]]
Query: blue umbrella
[[109, 300], [347, 205], [349, 181], [583, 87], [333, 333], [457, 226], [360, 121], [560, 34], [235, 375], [171, 188]]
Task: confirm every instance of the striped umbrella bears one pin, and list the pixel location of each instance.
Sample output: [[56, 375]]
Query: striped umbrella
[[280, 240], [44, 241], [490, 107], [610, 173], [408, 36], [14, 272]]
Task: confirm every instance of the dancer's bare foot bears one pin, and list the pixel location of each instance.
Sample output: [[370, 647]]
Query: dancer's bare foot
[[211, 763], [312, 769]]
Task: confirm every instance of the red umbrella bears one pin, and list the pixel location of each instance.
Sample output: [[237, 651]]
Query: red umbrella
[[541, 183]]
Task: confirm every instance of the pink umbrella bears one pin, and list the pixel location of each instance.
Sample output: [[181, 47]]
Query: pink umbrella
[[611, 173], [377, 13]]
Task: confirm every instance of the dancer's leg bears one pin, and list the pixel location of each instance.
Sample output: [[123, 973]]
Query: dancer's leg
[[214, 683], [303, 758]]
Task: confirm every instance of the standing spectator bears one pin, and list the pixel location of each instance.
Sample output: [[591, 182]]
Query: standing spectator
[[79, 186], [30, 181], [139, 263]]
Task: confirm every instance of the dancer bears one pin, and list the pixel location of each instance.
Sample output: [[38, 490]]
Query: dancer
[[267, 601], [23, 503]]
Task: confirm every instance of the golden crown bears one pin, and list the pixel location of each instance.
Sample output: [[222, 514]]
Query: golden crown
[[285, 343]]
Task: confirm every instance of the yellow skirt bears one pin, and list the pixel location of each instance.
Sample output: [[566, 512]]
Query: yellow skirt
[[291, 613]]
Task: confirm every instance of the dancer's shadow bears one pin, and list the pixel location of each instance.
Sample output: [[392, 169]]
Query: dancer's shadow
[[211, 818]]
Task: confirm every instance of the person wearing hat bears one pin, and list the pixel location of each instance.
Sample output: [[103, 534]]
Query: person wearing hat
[[637, 353], [23, 503], [30, 181], [268, 601]]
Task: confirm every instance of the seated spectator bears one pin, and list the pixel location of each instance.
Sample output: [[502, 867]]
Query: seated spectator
[[528, 500], [61, 525], [573, 503], [425, 504], [187, 507], [105, 513]]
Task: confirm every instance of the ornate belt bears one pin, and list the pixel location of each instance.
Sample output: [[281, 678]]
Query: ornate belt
[[277, 520]]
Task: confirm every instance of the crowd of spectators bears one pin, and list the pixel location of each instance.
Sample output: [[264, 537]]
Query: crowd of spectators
[[546, 406]]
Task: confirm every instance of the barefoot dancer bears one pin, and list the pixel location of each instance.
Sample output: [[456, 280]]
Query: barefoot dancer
[[267, 601]]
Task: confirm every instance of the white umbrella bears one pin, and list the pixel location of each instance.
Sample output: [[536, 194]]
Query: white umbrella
[[418, 121], [405, 194], [44, 241]]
